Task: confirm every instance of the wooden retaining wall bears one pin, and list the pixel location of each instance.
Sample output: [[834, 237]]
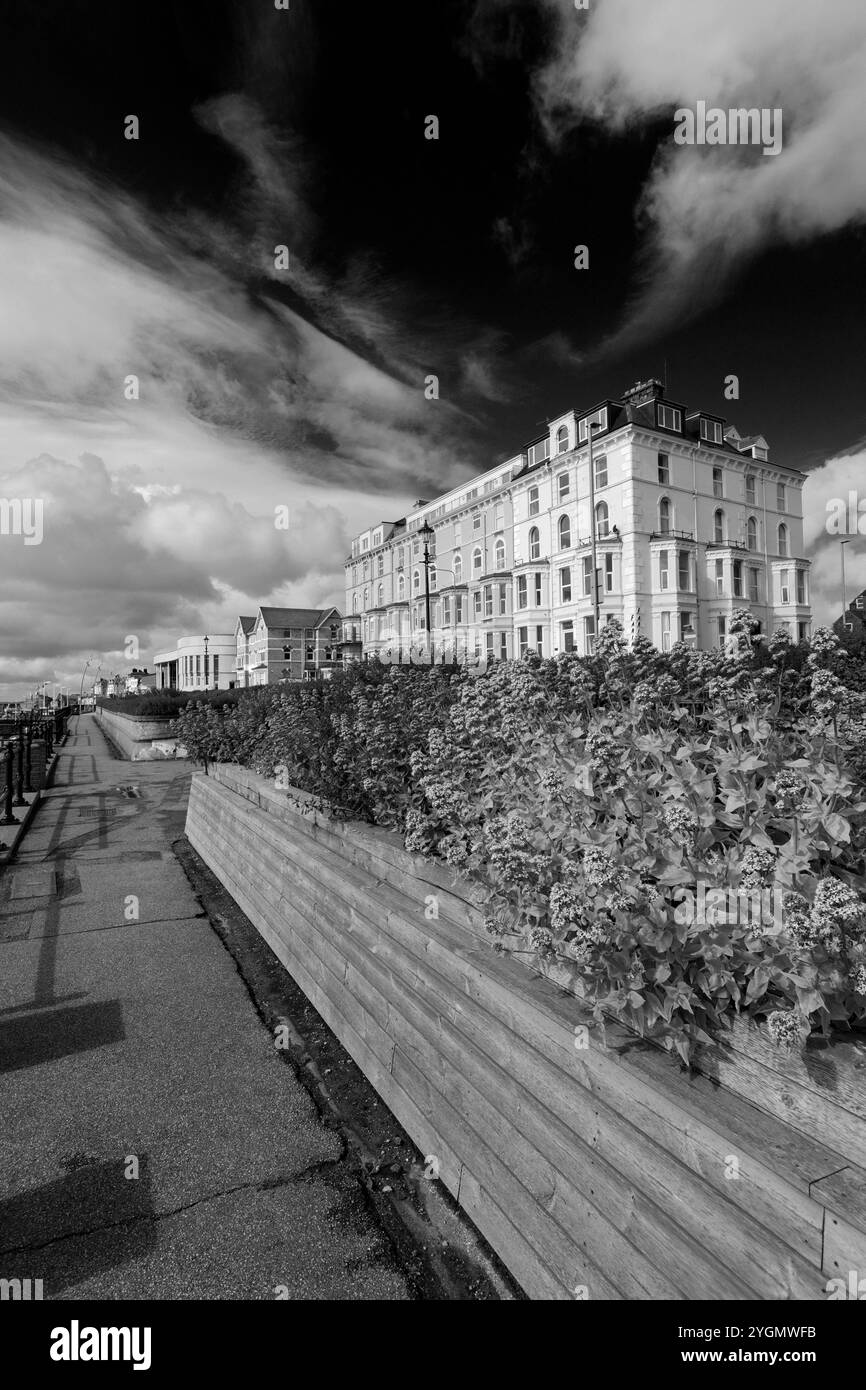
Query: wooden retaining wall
[[601, 1171]]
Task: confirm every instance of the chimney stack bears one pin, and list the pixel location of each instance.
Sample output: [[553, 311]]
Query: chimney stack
[[643, 391]]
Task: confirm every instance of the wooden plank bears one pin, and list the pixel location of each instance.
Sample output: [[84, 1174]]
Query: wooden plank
[[844, 1250], [680, 1221], [844, 1194]]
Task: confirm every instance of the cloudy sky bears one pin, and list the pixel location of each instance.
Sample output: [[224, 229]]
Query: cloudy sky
[[303, 386]]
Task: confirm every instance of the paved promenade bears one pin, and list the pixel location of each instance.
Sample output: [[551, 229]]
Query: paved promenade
[[153, 1143]]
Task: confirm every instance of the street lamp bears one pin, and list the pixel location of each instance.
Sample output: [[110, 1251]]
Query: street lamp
[[592, 425], [427, 531], [206, 640]]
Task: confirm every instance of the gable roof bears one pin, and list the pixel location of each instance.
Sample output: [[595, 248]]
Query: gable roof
[[297, 617], [246, 624]]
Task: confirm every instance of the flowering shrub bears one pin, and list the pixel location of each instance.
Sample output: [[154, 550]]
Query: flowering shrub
[[683, 833]]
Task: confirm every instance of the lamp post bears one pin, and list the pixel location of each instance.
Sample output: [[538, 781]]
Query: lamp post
[[427, 531], [592, 425], [206, 640]]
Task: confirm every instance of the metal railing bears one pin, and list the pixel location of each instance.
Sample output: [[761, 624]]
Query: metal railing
[[16, 757]]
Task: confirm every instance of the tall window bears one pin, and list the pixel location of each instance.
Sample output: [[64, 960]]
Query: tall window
[[566, 640], [718, 483], [432, 576], [564, 533], [600, 471], [608, 574], [503, 600], [476, 603], [750, 487], [499, 554], [666, 632], [380, 563], [477, 560], [738, 579], [458, 533], [380, 595], [602, 524], [784, 586], [783, 539], [539, 640], [664, 470], [537, 589], [563, 487], [720, 577], [723, 631], [562, 439], [719, 527], [523, 640], [533, 501], [446, 609], [684, 571], [366, 599], [355, 599], [488, 600], [589, 635], [801, 586], [522, 598], [664, 516], [664, 580], [565, 584], [781, 505], [401, 587], [587, 576], [534, 544], [752, 533], [753, 584], [458, 569]]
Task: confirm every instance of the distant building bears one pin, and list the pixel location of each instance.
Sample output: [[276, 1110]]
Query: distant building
[[199, 663], [850, 628], [683, 522], [288, 644], [244, 628]]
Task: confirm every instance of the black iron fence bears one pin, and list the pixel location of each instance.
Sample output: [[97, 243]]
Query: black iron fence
[[27, 744]]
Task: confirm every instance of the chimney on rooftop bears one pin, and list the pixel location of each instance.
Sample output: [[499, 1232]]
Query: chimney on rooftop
[[643, 391]]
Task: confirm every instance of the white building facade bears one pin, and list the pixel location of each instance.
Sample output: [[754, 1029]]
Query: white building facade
[[198, 663], [679, 522]]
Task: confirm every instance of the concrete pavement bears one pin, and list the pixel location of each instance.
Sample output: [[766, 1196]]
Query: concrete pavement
[[153, 1142]]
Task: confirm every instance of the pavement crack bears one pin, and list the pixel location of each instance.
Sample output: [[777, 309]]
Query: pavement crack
[[155, 1217]]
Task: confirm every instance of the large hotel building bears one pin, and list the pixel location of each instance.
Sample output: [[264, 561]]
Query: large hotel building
[[691, 521]]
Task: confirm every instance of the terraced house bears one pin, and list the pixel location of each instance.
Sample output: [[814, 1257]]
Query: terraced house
[[678, 521]]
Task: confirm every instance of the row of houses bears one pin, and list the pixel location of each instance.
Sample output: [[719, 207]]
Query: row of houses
[[639, 509], [271, 645]]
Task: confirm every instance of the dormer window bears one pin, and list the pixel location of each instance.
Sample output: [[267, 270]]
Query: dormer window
[[562, 439], [599, 418], [538, 453], [759, 451], [668, 417], [711, 430]]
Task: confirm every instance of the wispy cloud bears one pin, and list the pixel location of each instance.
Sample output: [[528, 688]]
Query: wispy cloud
[[706, 211]]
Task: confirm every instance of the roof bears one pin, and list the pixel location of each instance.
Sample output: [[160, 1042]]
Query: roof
[[296, 617], [247, 624]]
